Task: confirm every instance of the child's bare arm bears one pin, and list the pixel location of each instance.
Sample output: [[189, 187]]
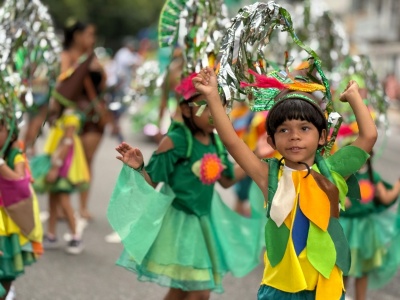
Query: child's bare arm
[[10, 174], [367, 130], [226, 182], [387, 196], [206, 83]]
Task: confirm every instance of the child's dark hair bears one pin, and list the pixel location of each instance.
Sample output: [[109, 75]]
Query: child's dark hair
[[69, 32], [294, 109], [370, 170]]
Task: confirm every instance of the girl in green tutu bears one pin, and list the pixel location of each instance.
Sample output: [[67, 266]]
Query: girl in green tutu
[[373, 231], [182, 237]]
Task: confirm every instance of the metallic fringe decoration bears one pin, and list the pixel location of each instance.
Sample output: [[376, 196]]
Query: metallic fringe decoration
[[27, 44], [196, 26], [245, 47]]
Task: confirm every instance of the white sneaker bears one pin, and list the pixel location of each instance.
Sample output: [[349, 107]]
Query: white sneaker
[[11, 294], [112, 238], [44, 216], [81, 224], [74, 247]]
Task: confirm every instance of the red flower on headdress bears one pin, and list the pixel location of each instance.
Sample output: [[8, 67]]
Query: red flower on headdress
[[186, 87]]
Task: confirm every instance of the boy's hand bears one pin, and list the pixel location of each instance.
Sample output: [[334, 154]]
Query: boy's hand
[[130, 156], [206, 82], [350, 91]]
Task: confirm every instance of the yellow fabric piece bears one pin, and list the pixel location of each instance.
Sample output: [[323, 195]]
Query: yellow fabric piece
[[78, 172], [19, 158], [2, 226], [302, 276], [295, 273], [314, 203], [327, 289]]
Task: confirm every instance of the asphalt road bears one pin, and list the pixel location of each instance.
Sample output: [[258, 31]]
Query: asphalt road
[[93, 275]]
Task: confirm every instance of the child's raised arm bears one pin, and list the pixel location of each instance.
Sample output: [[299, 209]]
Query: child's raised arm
[[206, 83], [387, 196], [133, 158], [367, 130]]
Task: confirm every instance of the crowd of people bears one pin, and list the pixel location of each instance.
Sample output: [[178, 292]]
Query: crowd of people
[[182, 236]]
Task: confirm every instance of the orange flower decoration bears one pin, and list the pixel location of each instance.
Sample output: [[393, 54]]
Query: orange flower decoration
[[210, 168], [367, 190]]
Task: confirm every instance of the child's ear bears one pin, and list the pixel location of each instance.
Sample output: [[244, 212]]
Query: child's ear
[[270, 141], [185, 110], [322, 138]]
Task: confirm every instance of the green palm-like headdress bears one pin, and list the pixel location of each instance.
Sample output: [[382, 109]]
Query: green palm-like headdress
[[197, 27], [244, 59]]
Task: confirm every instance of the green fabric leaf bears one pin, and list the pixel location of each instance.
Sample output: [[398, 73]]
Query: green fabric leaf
[[321, 250], [353, 188], [347, 160], [343, 257], [276, 239], [342, 186]]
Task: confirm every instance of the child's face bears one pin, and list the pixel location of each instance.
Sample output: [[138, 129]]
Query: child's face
[[203, 121], [297, 141]]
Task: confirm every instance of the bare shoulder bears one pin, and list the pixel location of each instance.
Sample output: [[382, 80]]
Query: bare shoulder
[[165, 145]]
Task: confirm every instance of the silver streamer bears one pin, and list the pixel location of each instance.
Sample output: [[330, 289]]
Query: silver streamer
[[28, 43], [197, 26]]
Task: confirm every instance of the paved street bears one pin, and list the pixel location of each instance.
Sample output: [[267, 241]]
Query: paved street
[[92, 275]]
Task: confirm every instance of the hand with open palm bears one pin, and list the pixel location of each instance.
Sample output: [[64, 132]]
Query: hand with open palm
[[130, 156]]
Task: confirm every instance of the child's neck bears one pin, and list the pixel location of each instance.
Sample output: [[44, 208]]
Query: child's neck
[[202, 138], [299, 166]]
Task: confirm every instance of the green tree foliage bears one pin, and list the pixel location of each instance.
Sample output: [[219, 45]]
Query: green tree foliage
[[114, 19]]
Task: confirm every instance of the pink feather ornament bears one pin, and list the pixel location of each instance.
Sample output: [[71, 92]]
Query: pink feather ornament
[[263, 81], [186, 87]]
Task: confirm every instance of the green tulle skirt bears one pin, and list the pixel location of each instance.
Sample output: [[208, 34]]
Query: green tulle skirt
[[15, 258], [175, 249], [374, 242]]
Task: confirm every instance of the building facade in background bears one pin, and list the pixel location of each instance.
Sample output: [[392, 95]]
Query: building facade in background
[[373, 27]]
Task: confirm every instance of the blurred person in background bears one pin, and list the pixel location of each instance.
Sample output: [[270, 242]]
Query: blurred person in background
[[37, 115], [126, 60], [68, 171], [392, 88], [94, 108]]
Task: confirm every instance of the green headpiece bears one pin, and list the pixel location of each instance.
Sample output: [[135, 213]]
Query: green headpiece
[[245, 69]]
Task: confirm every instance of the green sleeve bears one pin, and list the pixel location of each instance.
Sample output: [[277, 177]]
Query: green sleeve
[[347, 160], [161, 165]]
